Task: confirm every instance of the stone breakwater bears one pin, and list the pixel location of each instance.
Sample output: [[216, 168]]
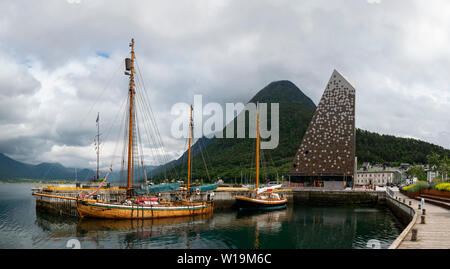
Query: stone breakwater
[[330, 197]]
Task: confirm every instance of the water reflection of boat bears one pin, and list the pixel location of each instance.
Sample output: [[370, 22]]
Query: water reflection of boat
[[138, 229], [264, 222], [269, 220], [277, 215], [130, 224], [57, 226]]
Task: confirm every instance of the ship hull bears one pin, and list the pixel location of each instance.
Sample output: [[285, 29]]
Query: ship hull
[[243, 202], [113, 211]]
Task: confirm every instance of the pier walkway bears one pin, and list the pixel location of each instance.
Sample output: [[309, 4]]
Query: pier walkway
[[434, 234]]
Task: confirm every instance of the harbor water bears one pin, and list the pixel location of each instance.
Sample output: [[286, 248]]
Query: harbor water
[[297, 227]]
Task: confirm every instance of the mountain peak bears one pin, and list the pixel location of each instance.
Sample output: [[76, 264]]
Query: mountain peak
[[282, 91], [285, 83], [6, 158], [45, 164]]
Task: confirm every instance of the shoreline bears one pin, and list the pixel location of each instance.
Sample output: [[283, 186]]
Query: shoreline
[[37, 182]]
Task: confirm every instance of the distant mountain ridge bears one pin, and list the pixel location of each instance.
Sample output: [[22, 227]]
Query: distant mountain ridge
[[226, 158], [11, 169]]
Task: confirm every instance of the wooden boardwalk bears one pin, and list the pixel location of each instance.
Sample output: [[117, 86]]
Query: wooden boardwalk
[[435, 233]]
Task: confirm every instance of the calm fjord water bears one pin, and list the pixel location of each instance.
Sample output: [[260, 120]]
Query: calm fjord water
[[298, 227]]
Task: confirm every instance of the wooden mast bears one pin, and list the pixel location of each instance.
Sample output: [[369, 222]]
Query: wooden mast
[[257, 149], [130, 126], [189, 156], [98, 144]]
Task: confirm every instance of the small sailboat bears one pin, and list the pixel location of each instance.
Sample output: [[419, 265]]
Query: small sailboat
[[261, 198], [142, 206]]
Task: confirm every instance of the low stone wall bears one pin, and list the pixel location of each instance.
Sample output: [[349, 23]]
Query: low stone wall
[[413, 195], [410, 194], [56, 206], [224, 199], [66, 207], [443, 194], [406, 214], [321, 197], [403, 212]]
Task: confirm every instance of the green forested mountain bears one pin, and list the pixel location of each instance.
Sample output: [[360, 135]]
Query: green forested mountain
[[233, 159], [227, 158], [373, 147]]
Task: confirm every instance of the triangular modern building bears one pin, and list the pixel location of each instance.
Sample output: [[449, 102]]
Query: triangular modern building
[[326, 157]]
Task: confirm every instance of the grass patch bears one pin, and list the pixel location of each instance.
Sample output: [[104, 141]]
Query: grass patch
[[416, 187], [443, 187]]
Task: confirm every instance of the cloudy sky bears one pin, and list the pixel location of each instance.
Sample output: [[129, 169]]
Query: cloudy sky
[[62, 62]]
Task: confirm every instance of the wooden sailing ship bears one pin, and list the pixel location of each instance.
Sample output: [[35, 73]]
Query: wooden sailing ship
[[261, 198], [142, 207]]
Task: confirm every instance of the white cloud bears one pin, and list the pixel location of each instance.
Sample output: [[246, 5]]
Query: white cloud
[[225, 50]]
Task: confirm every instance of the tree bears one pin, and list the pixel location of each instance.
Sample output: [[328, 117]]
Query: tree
[[445, 167], [434, 160], [419, 172]]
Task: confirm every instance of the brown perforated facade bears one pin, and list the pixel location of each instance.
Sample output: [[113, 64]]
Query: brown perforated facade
[[328, 146]]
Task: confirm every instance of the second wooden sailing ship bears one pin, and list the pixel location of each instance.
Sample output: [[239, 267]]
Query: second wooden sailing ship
[[261, 198], [143, 207]]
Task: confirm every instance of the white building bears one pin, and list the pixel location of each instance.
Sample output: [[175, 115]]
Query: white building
[[375, 178], [410, 181], [431, 175]]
